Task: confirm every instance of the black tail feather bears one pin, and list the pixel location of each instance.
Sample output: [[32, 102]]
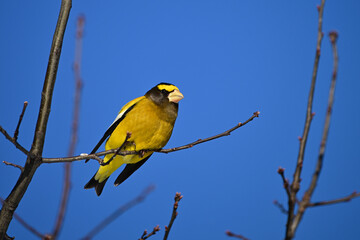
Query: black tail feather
[[128, 170], [96, 184]]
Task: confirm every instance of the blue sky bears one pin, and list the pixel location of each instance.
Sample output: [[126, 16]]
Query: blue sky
[[229, 59]]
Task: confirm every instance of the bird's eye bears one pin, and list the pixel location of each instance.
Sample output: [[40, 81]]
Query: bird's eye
[[164, 91]]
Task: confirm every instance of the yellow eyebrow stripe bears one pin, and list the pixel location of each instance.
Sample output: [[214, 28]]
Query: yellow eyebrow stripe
[[167, 87]]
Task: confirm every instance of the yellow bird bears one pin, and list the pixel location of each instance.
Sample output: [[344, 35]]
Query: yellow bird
[[143, 123]]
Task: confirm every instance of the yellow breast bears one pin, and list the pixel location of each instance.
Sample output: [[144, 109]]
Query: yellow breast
[[149, 124]]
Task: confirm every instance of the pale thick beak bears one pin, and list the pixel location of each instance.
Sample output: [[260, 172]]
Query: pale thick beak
[[175, 96]]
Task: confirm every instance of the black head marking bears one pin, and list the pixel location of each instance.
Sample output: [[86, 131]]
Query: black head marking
[[159, 94]]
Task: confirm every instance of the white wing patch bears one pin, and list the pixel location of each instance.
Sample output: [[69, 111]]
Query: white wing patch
[[118, 117], [125, 108]]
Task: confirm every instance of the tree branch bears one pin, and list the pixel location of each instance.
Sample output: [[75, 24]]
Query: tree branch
[[95, 156], [145, 235], [34, 160], [281, 207], [13, 141], [309, 115], [128, 135], [231, 234], [16, 133], [119, 212], [315, 178], [14, 165], [123, 153], [334, 201], [226, 133], [174, 214], [295, 186], [285, 181]]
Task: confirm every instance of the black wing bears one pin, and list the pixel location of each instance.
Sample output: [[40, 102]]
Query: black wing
[[128, 170], [110, 130]]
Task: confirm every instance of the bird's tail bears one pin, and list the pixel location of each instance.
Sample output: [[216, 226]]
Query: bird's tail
[[93, 183]]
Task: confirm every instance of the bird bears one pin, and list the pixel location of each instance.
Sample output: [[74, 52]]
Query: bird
[[144, 123]]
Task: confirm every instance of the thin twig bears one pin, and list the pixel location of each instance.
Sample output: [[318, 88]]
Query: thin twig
[[74, 130], [226, 133], [119, 212], [309, 114], [333, 37], [280, 206], [123, 153], [100, 160], [315, 178], [25, 224], [174, 214], [34, 161], [281, 172], [231, 234], [334, 201], [295, 186], [128, 135], [145, 235], [14, 165], [13, 141], [16, 133]]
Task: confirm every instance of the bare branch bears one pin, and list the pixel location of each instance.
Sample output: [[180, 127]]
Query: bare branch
[[174, 214], [14, 165], [16, 133], [333, 36], [74, 131], [226, 133], [119, 212], [25, 224], [13, 141], [281, 207], [309, 192], [34, 161], [128, 135], [84, 156], [309, 114], [100, 160], [231, 234], [285, 180], [123, 153], [295, 186], [145, 235], [334, 201]]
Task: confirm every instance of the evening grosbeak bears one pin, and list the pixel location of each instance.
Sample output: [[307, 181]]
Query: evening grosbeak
[[143, 123]]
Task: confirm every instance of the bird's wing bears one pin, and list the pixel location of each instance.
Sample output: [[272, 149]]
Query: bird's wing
[[124, 110], [128, 170]]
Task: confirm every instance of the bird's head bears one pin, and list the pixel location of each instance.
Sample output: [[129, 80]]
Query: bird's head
[[165, 93]]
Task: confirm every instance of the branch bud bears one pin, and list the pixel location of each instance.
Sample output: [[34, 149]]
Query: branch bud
[[280, 170], [333, 36]]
